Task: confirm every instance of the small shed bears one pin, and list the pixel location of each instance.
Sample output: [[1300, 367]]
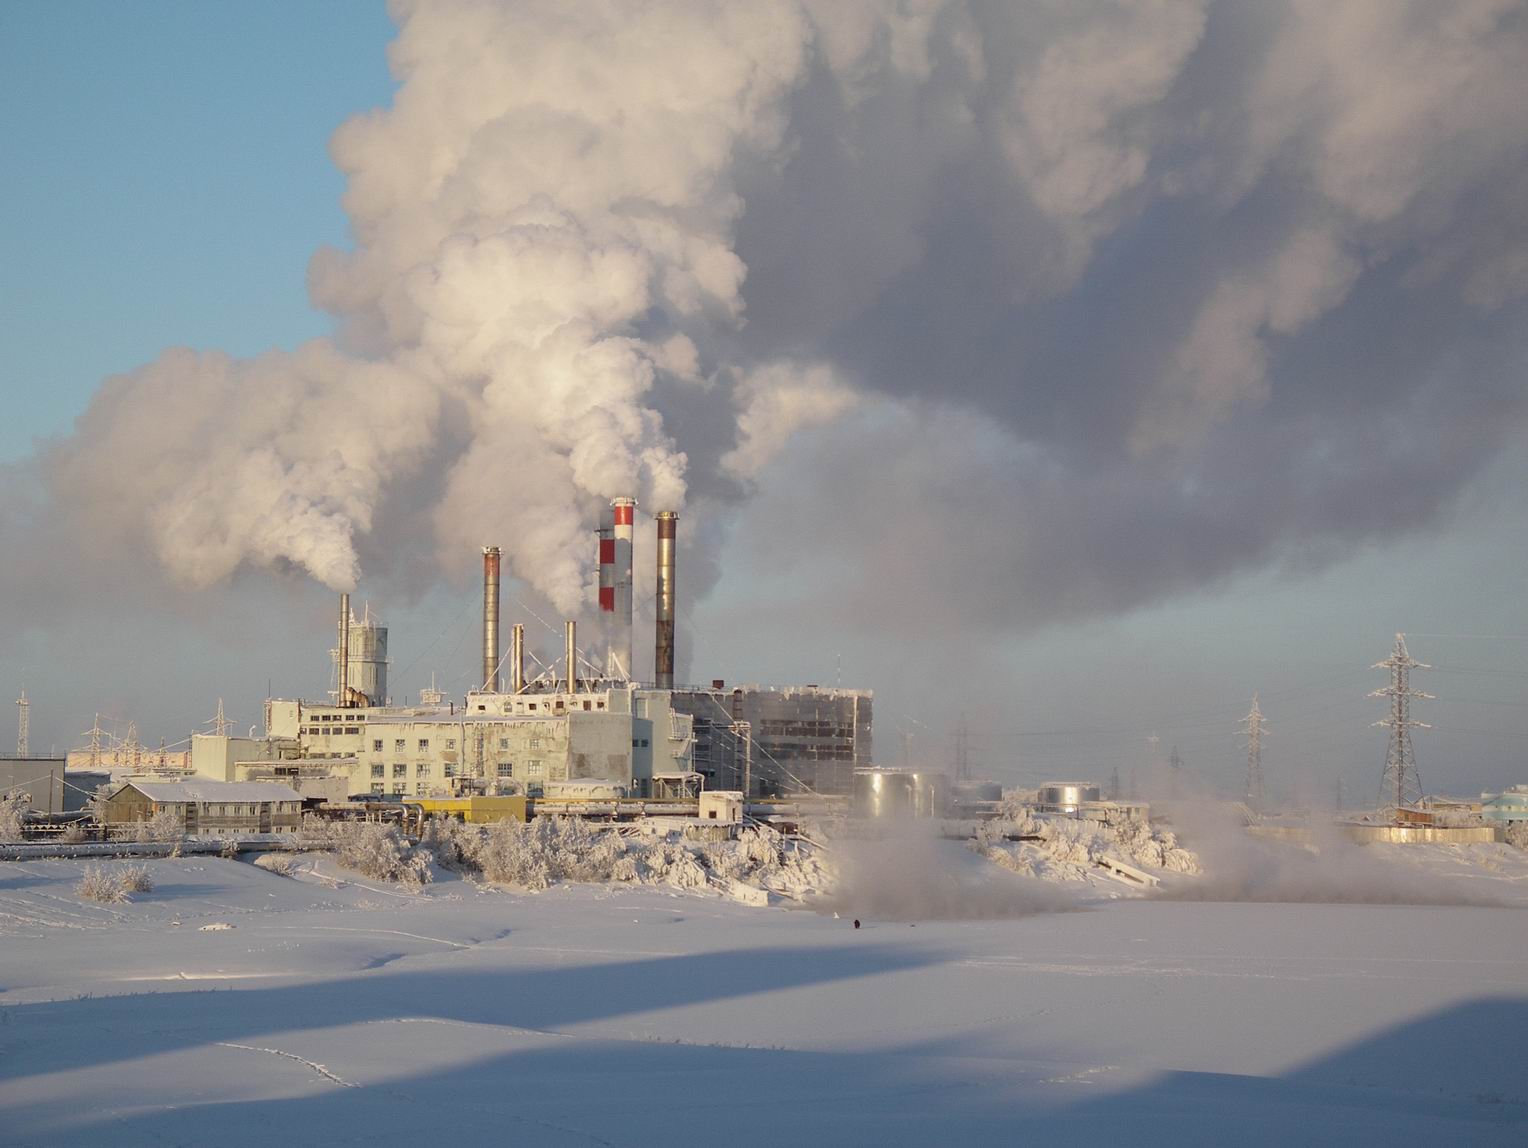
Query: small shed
[[209, 808], [723, 806]]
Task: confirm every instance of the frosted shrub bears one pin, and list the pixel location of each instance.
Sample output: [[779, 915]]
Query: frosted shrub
[[454, 843], [281, 864], [511, 853], [99, 884], [162, 826], [13, 816], [379, 851], [73, 833], [1517, 834], [110, 885]]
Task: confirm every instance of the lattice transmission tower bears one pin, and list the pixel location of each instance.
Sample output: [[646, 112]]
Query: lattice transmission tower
[[1401, 786], [1254, 729], [23, 726]]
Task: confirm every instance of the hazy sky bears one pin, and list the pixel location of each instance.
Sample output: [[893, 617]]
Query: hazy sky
[[1081, 370]]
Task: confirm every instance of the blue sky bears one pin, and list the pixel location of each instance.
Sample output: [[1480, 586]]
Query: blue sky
[[166, 179]]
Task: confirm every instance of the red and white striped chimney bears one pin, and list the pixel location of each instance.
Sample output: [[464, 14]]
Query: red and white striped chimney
[[607, 628], [623, 515]]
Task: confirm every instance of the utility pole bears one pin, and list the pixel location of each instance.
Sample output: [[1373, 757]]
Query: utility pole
[[23, 730], [1401, 786], [1175, 765], [1256, 796], [962, 750]]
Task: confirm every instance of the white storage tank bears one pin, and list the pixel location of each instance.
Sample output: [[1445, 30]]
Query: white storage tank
[[1065, 796]]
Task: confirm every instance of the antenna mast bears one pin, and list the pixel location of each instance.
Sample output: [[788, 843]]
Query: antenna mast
[[1401, 786], [23, 726]]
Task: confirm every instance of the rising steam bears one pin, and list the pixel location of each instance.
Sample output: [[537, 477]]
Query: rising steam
[[1051, 258]]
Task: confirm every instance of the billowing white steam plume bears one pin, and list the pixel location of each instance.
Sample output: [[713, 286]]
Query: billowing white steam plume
[[1094, 232], [543, 223]]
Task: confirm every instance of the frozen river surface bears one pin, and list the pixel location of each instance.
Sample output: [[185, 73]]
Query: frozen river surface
[[231, 1006]]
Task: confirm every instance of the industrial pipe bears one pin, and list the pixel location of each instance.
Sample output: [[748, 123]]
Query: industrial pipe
[[491, 619], [517, 658], [572, 655], [663, 652], [344, 677]]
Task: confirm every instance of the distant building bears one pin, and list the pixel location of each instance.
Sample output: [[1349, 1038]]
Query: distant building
[[1508, 806], [208, 808], [40, 778]]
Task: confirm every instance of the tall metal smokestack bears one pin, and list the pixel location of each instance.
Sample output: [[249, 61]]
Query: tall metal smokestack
[[623, 515], [491, 619], [517, 658], [344, 678], [572, 657], [663, 651]]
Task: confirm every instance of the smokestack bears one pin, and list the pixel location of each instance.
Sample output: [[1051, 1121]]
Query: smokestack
[[491, 619], [607, 635], [517, 658], [344, 680], [572, 655], [623, 514], [663, 653]]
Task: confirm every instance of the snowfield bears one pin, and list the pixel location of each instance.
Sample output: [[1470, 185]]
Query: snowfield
[[235, 1005]]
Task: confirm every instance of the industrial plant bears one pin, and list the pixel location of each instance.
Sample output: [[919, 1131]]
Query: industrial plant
[[580, 728]]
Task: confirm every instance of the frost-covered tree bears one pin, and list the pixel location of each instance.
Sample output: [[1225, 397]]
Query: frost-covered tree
[[13, 815]]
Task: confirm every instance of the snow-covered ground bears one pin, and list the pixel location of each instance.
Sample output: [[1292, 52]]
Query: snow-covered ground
[[234, 1006]]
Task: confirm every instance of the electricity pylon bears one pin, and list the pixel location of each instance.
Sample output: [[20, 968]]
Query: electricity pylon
[[1253, 727], [1401, 786]]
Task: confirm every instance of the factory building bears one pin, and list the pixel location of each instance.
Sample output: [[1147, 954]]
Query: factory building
[[780, 740]]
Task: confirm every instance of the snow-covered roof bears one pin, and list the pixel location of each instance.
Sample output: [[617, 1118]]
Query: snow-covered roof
[[197, 791]]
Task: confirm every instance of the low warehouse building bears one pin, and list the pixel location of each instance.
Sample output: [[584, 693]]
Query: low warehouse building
[[208, 808]]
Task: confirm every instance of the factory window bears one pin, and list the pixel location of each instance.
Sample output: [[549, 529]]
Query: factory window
[[400, 787], [422, 771], [504, 743], [400, 770], [352, 729], [535, 743], [376, 745], [533, 769], [376, 787], [506, 769], [422, 788], [599, 705], [424, 745], [639, 743], [533, 705], [586, 704], [398, 744], [448, 770], [450, 743]]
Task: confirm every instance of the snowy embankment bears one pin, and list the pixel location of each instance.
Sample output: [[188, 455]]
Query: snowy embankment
[[233, 1005]]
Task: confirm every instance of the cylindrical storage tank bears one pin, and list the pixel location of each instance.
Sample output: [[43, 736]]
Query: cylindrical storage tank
[[931, 793], [1065, 796], [881, 794]]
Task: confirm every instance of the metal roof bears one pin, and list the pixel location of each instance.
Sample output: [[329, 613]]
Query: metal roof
[[199, 791]]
